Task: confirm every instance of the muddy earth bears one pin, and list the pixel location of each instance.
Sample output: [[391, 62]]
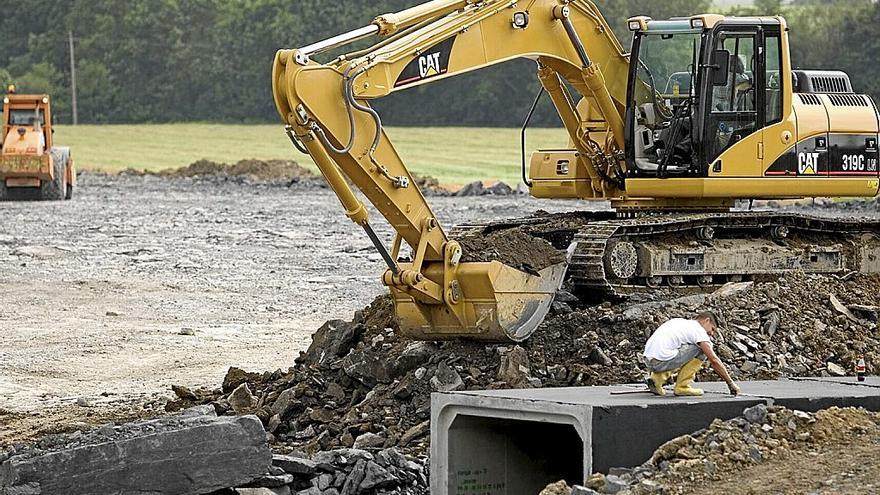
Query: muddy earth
[[142, 282]]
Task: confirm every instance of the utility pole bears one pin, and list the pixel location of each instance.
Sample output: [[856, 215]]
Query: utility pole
[[73, 77]]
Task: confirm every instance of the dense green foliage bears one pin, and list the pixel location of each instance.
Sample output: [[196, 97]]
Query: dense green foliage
[[209, 60]]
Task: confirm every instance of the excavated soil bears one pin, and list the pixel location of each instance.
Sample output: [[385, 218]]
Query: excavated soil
[[513, 247]]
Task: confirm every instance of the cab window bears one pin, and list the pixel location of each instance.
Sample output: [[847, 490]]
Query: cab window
[[26, 117], [773, 98], [733, 109]]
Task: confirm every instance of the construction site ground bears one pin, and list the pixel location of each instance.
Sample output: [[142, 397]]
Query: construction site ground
[[143, 282], [849, 467]]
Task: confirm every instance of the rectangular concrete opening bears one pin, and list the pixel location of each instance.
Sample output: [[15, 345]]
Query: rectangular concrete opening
[[489, 456]]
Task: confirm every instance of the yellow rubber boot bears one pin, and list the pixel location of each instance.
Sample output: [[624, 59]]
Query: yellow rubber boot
[[657, 380], [686, 377]]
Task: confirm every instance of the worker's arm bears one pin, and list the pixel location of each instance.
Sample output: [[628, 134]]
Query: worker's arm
[[719, 367]]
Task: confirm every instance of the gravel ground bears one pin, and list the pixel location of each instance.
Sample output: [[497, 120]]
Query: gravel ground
[[144, 282]]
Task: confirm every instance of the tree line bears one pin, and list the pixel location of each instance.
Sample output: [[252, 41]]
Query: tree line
[[210, 60]]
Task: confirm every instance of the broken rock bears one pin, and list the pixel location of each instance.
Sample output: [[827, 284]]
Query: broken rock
[[756, 414], [415, 432], [446, 379], [241, 399], [835, 369], [235, 377], [840, 308], [558, 488], [514, 369], [369, 441], [178, 454], [333, 340], [367, 367], [375, 476]]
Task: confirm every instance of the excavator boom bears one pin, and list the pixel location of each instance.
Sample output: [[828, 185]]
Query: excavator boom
[[328, 115]]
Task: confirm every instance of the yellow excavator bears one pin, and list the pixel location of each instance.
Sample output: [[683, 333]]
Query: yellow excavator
[[701, 112]]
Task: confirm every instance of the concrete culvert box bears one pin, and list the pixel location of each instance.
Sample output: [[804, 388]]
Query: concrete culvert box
[[483, 445], [512, 442], [489, 456]]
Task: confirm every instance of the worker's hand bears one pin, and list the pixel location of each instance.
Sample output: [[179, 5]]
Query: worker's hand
[[734, 389]]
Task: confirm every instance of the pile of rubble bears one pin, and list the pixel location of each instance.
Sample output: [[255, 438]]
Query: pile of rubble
[[347, 472], [197, 452], [362, 385], [726, 447]]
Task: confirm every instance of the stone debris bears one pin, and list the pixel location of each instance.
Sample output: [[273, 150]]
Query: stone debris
[[361, 382], [189, 453], [515, 370], [241, 400], [348, 471]]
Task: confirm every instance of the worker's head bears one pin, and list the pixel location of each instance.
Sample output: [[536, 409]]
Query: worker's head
[[739, 65], [709, 321]]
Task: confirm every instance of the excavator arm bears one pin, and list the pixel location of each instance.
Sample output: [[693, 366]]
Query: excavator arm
[[326, 109]]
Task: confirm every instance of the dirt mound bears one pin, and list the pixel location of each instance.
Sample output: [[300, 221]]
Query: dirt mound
[[281, 171], [430, 186], [361, 377], [254, 169], [479, 189]]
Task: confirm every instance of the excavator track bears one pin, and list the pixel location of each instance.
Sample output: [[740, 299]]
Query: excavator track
[[618, 257]]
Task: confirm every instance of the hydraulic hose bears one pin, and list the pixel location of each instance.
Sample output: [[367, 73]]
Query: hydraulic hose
[[350, 104], [346, 88], [525, 127]]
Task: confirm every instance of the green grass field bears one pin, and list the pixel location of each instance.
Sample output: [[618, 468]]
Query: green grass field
[[454, 155]]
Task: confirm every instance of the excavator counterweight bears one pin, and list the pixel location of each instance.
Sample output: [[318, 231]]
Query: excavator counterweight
[[701, 112]]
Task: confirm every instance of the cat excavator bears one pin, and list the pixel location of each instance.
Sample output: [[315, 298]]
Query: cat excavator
[[701, 112]]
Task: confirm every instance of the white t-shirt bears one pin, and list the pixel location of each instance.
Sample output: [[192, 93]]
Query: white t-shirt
[[666, 340]]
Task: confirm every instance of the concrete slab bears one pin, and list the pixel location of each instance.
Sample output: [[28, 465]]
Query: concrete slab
[[870, 381], [509, 442]]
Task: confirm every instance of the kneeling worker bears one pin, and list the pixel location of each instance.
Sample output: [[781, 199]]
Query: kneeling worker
[[680, 346]]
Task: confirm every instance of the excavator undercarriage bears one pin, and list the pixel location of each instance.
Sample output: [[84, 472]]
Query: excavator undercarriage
[[613, 258]]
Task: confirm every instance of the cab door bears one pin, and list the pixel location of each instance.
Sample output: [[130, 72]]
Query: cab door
[[775, 100], [733, 140]]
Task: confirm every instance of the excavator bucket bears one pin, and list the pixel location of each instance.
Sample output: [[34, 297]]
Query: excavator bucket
[[500, 304]]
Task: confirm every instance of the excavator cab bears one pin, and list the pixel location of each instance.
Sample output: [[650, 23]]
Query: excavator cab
[[697, 92]]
